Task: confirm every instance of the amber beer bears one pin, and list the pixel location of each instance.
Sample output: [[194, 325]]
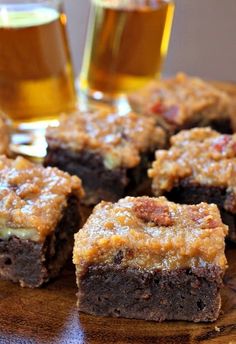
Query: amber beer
[[126, 44], [36, 79]]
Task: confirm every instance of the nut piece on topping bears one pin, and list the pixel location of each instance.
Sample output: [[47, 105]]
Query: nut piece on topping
[[148, 209]]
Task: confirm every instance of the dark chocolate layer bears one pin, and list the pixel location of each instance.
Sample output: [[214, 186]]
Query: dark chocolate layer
[[181, 294], [32, 263], [99, 182], [190, 193], [222, 125]]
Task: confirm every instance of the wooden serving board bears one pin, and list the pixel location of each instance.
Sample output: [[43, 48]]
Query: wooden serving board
[[49, 315]]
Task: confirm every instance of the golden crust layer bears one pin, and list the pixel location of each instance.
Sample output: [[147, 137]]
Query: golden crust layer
[[33, 197], [202, 155], [175, 101], [119, 138], [152, 233]]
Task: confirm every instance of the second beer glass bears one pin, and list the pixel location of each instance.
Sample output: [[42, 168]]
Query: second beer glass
[[127, 42]]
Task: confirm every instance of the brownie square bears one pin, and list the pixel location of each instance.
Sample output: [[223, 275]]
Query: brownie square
[[39, 214], [200, 166], [184, 102], [108, 151], [147, 258]]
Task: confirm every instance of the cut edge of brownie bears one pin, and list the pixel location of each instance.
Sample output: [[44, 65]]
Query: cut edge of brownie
[[222, 124], [99, 182], [190, 294], [33, 263], [187, 192]]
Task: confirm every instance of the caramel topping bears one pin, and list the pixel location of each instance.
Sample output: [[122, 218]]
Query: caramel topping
[[178, 99], [152, 233], [202, 155], [119, 138], [32, 197]]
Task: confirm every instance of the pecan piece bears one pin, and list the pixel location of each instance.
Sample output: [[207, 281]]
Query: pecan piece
[[148, 209]]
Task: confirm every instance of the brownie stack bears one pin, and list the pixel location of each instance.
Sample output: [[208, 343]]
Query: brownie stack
[[138, 257], [149, 258]]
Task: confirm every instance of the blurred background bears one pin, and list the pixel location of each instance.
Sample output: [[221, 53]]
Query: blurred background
[[202, 43]]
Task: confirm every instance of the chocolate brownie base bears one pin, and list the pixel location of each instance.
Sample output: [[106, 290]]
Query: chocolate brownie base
[[189, 193], [223, 125], [99, 182], [181, 294], [32, 263]]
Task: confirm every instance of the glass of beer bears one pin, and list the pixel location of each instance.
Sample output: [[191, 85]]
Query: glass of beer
[[36, 77], [127, 42]]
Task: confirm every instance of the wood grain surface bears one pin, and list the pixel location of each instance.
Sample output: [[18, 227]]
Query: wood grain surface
[[49, 315]]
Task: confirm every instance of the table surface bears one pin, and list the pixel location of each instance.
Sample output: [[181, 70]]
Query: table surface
[[49, 315]]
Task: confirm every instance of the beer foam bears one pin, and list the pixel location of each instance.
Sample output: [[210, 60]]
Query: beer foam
[[26, 15]]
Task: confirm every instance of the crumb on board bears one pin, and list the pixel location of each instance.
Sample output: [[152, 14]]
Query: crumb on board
[[217, 329]]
